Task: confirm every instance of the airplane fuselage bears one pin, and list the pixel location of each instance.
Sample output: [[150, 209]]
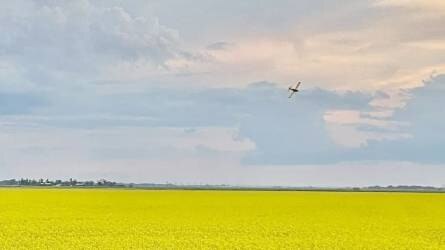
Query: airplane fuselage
[[294, 89]]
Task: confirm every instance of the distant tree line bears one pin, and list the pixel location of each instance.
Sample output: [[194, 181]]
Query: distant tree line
[[405, 187], [105, 183], [66, 183]]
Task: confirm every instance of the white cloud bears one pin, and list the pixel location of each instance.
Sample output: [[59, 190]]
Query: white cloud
[[32, 149], [359, 46], [344, 128], [431, 5], [64, 42], [367, 45]]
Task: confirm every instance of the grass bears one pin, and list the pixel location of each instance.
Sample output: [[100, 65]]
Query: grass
[[147, 219]]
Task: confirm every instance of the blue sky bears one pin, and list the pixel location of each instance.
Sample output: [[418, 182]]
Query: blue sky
[[167, 91]]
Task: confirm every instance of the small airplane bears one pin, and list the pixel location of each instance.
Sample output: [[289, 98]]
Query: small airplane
[[294, 90]]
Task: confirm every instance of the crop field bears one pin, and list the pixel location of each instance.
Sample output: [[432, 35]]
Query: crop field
[[146, 219]]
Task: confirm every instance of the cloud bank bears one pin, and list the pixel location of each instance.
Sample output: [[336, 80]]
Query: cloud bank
[[161, 91], [221, 131]]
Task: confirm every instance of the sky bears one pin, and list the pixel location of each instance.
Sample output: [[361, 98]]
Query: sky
[[170, 91]]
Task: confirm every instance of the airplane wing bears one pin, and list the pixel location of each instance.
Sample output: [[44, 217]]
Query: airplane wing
[[298, 85], [291, 94]]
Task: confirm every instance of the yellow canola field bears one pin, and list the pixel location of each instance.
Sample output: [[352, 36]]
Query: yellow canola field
[[142, 219]]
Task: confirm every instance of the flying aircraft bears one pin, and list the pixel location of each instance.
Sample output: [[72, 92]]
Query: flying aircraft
[[294, 89]]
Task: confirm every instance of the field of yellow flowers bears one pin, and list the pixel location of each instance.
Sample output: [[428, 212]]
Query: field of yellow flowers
[[143, 219]]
